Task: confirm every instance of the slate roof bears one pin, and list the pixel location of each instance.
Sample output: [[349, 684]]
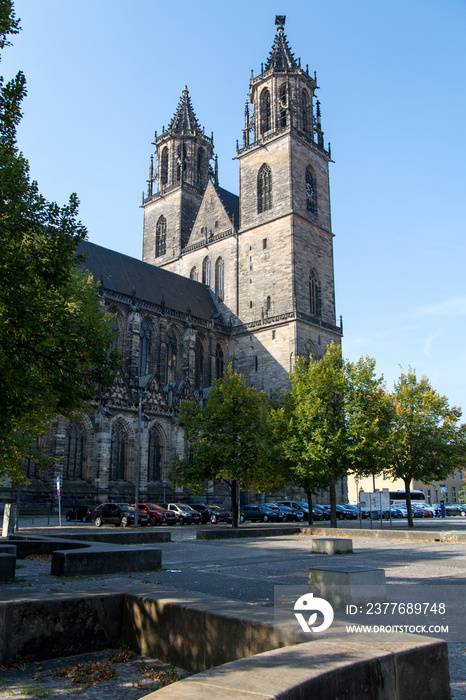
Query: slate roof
[[121, 273], [231, 203]]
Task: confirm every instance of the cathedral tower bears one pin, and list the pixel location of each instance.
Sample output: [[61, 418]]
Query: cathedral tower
[[176, 184], [286, 281]]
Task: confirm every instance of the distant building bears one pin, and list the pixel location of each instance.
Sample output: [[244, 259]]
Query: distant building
[[247, 280]]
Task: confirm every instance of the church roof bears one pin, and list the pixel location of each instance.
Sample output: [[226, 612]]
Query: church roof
[[281, 58], [184, 120], [126, 275], [231, 203]]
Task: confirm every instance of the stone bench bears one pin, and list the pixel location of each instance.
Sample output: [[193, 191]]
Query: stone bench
[[348, 585], [332, 545]]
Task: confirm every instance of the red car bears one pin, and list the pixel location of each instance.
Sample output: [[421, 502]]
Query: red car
[[157, 514]]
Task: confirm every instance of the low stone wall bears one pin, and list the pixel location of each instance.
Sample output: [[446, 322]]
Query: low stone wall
[[199, 632], [232, 533], [75, 557]]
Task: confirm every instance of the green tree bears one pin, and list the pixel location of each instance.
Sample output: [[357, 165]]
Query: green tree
[[338, 414], [54, 339], [228, 440], [426, 440]]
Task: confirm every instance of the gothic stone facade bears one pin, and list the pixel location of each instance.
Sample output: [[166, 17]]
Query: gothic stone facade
[[247, 280]]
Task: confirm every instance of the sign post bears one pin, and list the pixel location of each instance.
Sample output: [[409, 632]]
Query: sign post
[[59, 500]]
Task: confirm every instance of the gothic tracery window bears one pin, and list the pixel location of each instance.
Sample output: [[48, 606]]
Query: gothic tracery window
[[161, 237], [314, 294], [199, 366], [144, 349], [154, 458], [264, 189], [311, 195], [117, 453], [219, 361], [220, 279], [194, 275], [74, 452], [200, 165], [283, 103], [206, 271], [265, 114], [164, 167], [305, 106], [171, 356]]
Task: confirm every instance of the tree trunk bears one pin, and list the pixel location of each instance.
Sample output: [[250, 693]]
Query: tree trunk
[[309, 503], [407, 482], [333, 501], [234, 503]]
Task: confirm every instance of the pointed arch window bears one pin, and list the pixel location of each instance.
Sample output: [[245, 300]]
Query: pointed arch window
[[200, 165], [265, 113], [74, 452], [171, 356], [305, 105], [194, 275], [144, 349], [311, 194], [199, 366], [220, 279], [164, 167], [219, 361], [117, 453], [283, 105], [206, 271], [161, 237], [115, 334], [154, 459], [268, 304], [314, 294], [181, 163], [264, 189]]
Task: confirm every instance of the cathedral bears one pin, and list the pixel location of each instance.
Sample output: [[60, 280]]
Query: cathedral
[[245, 279]]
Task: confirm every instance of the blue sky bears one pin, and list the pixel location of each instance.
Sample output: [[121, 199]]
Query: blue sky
[[103, 75]]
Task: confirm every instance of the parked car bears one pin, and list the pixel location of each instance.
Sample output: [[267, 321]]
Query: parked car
[[342, 512], [396, 512], [156, 515], [117, 514], [260, 514], [297, 506], [81, 513], [204, 510], [170, 516], [220, 515], [455, 509], [423, 511], [289, 514], [185, 514], [351, 511]]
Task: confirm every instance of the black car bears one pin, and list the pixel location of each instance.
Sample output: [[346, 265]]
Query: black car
[[81, 513], [204, 510], [260, 514], [291, 514], [117, 514], [220, 515]]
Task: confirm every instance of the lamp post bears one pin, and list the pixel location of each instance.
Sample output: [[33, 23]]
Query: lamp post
[[164, 484]]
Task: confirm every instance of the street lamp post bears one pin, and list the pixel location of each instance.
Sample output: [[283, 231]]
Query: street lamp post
[[164, 484]]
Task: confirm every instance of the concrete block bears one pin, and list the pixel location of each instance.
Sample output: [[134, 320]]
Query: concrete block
[[348, 585], [105, 560], [332, 545], [7, 566]]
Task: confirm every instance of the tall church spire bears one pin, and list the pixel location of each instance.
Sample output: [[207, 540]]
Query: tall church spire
[[281, 58], [184, 120]]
